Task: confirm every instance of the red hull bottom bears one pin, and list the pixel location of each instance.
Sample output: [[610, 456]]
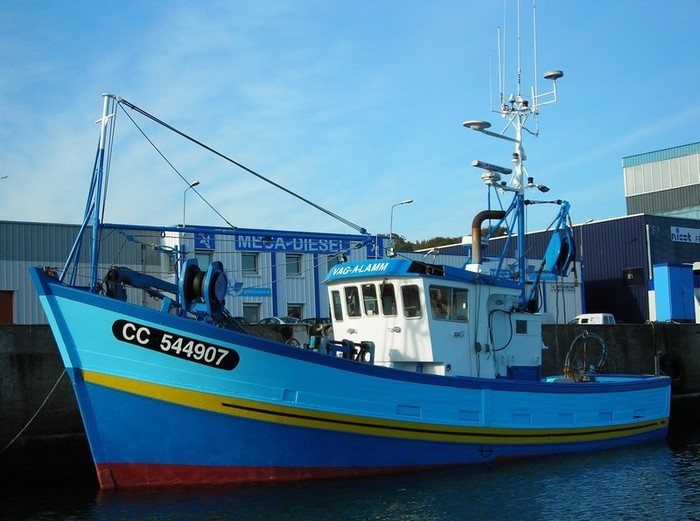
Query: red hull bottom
[[129, 475]]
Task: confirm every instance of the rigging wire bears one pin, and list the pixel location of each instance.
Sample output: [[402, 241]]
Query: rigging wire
[[360, 229], [175, 169]]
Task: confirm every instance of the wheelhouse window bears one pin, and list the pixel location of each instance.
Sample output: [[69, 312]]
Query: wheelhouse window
[[369, 299], [448, 303], [460, 304], [337, 307], [352, 301], [411, 301], [388, 299]]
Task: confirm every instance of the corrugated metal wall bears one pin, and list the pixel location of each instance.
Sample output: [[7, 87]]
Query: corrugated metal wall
[[663, 248], [25, 245], [608, 250], [28, 244], [663, 181], [664, 200]]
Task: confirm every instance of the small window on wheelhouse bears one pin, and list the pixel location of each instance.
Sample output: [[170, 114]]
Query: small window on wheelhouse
[[460, 304], [369, 298], [337, 307], [411, 301], [352, 301], [388, 298]]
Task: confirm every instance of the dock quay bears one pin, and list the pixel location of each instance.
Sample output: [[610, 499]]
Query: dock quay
[[42, 436]]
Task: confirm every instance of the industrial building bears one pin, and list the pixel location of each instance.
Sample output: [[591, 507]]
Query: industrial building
[[643, 266], [664, 182], [271, 273]]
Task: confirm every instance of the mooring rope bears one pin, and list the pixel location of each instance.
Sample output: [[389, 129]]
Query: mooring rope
[[34, 415]]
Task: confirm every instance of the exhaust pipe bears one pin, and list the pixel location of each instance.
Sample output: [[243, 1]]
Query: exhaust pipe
[[476, 231]]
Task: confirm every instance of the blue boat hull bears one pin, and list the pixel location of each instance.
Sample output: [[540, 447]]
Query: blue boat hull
[[172, 401]]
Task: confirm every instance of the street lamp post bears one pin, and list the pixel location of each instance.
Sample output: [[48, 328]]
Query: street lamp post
[[184, 200], [391, 222]]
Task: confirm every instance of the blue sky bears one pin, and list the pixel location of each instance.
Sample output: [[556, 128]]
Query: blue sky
[[355, 105]]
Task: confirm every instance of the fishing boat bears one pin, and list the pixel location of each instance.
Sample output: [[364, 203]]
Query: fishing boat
[[430, 365]]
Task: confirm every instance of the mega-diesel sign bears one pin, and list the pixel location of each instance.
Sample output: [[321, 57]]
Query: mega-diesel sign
[[291, 244]]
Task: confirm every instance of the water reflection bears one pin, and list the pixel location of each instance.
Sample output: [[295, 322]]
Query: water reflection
[[650, 481]]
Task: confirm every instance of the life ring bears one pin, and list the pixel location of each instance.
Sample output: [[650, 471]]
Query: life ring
[[672, 366]]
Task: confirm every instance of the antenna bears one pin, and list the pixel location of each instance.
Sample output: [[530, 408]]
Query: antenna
[[534, 46], [503, 43], [501, 72], [518, 41]]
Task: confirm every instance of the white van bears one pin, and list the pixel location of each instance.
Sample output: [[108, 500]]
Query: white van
[[593, 318]]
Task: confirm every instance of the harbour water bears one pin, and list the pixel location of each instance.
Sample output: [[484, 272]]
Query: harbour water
[[658, 481]]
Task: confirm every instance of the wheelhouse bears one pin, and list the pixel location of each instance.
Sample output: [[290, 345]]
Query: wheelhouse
[[428, 318]]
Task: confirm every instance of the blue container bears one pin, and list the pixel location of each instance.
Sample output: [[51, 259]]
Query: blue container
[[674, 292]]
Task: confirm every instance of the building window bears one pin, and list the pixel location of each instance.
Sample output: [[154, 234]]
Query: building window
[[249, 263], [295, 310], [203, 259], [293, 263], [251, 313]]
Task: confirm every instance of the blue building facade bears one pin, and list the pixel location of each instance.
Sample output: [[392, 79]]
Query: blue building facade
[[617, 259]]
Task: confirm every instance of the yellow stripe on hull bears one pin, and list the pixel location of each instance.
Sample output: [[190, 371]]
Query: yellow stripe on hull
[[347, 423]]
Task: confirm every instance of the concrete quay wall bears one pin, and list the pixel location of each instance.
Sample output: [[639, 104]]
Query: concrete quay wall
[[632, 349], [53, 444]]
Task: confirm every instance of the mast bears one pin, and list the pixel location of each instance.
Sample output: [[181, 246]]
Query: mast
[[95, 200], [516, 111], [97, 186]]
